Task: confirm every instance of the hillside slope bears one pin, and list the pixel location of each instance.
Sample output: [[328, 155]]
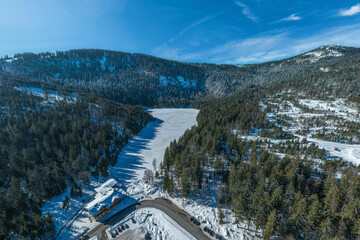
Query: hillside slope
[[147, 80]]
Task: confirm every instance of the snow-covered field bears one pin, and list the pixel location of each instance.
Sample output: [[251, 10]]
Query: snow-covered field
[[138, 155]]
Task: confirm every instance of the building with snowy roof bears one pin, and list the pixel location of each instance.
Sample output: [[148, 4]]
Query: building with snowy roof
[[108, 195]]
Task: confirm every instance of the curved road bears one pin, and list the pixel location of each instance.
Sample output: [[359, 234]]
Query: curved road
[[178, 215]]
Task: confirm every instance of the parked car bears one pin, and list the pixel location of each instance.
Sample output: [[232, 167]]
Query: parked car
[[119, 229], [133, 220], [147, 236], [122, 227], [126, 226], [113, 234]]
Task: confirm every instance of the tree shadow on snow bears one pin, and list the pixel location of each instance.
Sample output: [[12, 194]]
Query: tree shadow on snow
[[130, 158]]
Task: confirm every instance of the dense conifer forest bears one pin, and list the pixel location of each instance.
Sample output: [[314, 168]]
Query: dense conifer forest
[[46, 148]]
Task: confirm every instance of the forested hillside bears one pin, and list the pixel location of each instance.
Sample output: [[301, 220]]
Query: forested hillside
[[151, 81], [47, 147], [287, 188]]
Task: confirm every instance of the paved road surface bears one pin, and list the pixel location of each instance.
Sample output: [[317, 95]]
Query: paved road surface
[[178, 215]]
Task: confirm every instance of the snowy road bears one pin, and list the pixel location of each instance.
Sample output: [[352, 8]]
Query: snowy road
[[181, 217]]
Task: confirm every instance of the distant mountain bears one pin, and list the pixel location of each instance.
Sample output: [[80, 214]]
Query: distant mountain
[[147, 80]]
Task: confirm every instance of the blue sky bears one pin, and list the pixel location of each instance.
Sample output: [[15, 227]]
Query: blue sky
[[221, 31]]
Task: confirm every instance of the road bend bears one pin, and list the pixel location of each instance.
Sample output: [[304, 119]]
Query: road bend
[[178, 215]]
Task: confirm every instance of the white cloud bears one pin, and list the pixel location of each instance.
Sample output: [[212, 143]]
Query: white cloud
[[292, 17], [246, 11], [351, 11]]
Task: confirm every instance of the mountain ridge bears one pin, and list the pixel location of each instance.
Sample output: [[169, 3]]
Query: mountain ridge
[[120, 75]]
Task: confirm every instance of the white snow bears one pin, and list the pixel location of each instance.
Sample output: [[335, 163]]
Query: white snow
[[163, 81], [102, 62], [51, 95], [179, 81], [349, 152], [152, 221], [324, 52], [170, 124], [325, 69]]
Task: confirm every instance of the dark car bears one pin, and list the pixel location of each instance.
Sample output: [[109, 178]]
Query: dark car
[[147, 236], [122, 227], [133, 220], [126, 226], [192, 219]]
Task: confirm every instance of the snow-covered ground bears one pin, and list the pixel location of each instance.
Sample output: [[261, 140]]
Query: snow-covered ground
[[51, 95], [135, 157], [151, 221]]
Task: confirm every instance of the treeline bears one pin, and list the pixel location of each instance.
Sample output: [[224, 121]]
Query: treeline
[[46, 148], [290, 197]]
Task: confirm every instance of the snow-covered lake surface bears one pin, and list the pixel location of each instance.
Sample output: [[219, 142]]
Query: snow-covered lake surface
[[136, 156]]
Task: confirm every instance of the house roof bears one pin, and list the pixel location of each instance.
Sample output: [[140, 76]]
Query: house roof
[[105, 196]]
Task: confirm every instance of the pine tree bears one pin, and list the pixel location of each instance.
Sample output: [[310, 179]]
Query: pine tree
[[185, 182], [271, 223], [220, 215]]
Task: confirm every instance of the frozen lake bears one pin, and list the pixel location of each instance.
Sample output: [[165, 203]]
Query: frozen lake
[[138, 154]]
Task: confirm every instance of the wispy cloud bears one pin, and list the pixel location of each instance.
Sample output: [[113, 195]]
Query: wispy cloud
[[351, 11], [274, 47], [194, 25], [64, 11], [190, 27], [247, 12], [265, 47], [292, 17]]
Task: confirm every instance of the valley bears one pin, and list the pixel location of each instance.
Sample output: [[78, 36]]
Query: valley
[[242, 152]]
